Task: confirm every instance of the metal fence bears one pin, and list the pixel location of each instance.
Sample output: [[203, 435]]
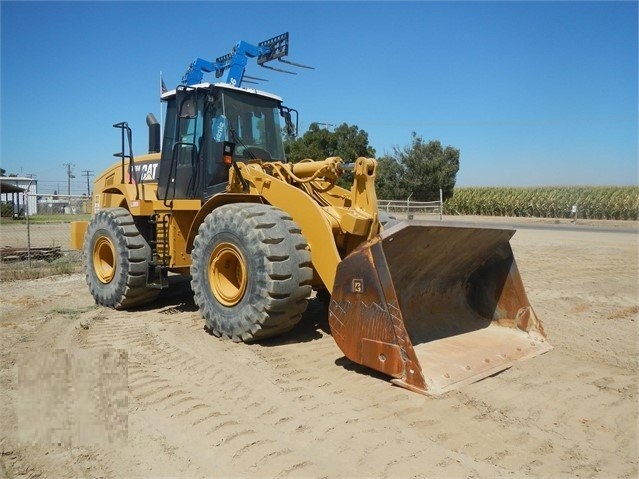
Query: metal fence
[[411, 208], [41, 233]]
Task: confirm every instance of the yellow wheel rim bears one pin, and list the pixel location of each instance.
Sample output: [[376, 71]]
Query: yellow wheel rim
[[104, 259], [227, 274]]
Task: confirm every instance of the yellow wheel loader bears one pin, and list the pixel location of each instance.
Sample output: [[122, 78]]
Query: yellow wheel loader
[[431, 305]]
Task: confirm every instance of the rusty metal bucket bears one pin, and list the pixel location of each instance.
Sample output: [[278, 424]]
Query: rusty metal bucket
[[434, 306]]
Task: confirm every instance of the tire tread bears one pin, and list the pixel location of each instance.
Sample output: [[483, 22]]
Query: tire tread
[[281, 289]]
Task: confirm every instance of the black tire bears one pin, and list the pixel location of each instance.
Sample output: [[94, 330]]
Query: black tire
[[116, 260], [250, 272]]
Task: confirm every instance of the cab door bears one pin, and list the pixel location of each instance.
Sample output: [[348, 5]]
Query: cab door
[[179, 163]]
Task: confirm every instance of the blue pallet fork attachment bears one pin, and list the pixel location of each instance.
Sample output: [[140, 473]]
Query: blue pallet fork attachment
[[235, 62]]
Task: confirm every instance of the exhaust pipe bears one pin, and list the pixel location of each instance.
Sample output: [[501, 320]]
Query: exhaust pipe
[[154, 133]]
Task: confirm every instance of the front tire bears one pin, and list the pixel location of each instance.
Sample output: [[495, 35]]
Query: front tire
[[116, 260], [250, 270]]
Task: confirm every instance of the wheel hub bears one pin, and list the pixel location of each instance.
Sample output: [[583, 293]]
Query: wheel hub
[[227, 274], [104, 259]]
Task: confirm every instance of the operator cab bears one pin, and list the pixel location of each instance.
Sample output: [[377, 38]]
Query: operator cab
[[206, 122]]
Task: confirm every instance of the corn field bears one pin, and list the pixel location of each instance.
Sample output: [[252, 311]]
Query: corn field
[[592, 202]]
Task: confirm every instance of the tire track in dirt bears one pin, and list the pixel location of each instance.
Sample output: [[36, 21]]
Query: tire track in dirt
[[258, 407], [521, 425], [345, 408], [298, 372], [174, 372]]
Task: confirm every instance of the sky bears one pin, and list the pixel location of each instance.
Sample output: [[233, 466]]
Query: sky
[[531, 93]]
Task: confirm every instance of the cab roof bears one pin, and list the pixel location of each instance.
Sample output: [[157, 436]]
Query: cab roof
[[227, 86]]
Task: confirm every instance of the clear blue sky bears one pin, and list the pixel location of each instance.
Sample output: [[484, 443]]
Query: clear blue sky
[[532, 93]]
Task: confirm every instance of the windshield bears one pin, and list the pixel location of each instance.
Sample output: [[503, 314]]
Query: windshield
[[252, 123], [199, 122]]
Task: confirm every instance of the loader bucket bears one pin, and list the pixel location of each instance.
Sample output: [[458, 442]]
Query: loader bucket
[[434, 306]]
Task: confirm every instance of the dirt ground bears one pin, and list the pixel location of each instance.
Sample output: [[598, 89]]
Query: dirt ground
[[91, 392]]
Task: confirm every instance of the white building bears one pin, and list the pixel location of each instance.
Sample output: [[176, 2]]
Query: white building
[[25, 200]]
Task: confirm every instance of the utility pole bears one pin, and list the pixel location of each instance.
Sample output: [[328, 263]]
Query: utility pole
[[88, 173], [69, 176]]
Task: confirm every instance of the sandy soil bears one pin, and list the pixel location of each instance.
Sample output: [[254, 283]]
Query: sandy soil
[[91, 392]]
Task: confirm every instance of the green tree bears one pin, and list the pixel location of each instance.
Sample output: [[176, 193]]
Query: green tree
[[347, 142], [390, 183], [421, 170]]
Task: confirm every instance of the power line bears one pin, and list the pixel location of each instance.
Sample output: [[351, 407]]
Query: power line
[[69, 176], [88, 173]]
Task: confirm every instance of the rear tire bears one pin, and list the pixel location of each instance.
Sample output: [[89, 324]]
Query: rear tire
[[250, 272], [116, 260]]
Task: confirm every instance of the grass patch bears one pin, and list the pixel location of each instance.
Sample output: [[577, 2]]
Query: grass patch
[[69, 263], [73, 313]]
